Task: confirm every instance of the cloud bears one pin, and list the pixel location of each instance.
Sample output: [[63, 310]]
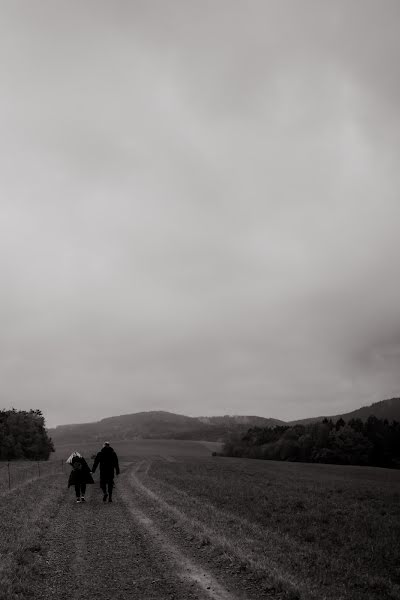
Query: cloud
[[199, 207]]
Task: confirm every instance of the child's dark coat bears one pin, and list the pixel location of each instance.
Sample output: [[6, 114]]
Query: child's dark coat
[[80, 472]]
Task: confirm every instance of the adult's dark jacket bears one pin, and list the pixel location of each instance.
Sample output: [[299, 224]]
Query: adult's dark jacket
[[108, 461], [80, 472]]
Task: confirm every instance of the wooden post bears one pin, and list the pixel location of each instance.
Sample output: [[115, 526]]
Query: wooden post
[[38, 466], [9, 475]]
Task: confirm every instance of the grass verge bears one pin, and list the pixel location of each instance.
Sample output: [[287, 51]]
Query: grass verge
[[25, 515]]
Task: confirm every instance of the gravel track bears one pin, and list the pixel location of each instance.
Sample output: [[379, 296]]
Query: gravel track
[[116, 551]]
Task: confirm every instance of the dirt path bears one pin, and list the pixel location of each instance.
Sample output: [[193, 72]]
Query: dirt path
[[117, 552]]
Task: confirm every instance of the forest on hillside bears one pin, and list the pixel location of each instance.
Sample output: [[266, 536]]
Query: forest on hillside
[[23, 435], [375, 442]]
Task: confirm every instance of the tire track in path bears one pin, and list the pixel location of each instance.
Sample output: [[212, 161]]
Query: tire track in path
[[229, 559], [248, 551], [109, 551], [186, 569]]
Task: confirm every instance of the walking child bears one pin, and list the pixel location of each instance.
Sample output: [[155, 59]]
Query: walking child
[[80, 475]]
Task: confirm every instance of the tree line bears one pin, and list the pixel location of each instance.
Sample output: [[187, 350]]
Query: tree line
[[23, 435], [374, 442]]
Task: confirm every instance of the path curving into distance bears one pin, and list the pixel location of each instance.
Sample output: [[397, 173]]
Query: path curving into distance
[[119, 551]]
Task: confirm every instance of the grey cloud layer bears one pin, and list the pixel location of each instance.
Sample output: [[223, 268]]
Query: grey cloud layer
[[199, 207]]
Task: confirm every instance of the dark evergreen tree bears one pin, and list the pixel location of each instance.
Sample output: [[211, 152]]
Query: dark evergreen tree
[[340, 423]]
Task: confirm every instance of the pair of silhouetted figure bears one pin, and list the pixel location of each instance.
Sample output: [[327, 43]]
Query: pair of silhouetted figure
[[81, 475]]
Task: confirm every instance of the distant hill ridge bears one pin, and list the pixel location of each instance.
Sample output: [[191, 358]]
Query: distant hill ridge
[[385, 409], [167, 425], [158, 424]]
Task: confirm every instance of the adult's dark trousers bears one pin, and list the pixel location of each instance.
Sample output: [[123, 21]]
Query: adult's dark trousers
[[80, 489], [107, 487]]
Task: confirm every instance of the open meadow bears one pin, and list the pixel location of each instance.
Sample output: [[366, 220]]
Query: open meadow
[[129, 449], [188, 525]]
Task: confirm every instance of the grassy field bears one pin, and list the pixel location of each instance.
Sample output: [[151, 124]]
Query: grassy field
[[270, 529], [316, 531], [130, 449]]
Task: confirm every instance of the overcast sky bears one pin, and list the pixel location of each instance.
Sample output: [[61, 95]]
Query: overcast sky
[[199, 206]]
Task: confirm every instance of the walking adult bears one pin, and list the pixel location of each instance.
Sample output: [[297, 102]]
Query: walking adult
[[80, 475], [108, 461]]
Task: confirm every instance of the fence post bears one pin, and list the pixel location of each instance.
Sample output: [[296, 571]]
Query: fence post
[[9, 475], [38, 466]]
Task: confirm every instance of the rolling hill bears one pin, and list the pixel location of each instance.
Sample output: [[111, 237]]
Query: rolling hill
[[158, 424], [166, 425]]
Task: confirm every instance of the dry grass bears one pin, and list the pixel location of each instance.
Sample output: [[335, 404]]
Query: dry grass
[[25, 513], [317, 531]]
